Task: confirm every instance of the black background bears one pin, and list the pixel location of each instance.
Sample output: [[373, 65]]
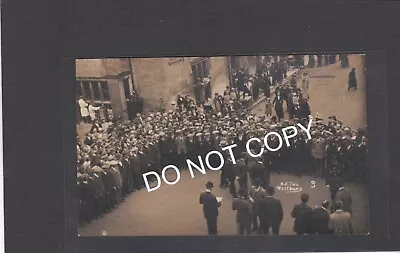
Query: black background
[[36, 35]]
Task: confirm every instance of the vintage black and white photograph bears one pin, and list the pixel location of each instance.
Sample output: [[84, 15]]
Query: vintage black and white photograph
[[224, 145]]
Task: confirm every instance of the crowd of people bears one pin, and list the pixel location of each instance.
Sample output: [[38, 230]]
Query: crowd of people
[[268, 74], [111, 160], [258, 211]]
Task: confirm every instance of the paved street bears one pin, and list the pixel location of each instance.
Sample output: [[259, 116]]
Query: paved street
[[329, 95], [175, 210]]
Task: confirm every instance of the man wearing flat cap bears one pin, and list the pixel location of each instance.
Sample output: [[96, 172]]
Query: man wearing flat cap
[[210, 208]]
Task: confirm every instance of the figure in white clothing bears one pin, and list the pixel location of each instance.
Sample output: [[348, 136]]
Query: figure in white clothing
[[92, 111], [84, 109]]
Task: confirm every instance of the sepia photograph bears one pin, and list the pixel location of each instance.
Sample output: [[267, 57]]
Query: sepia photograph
[[222, 146]]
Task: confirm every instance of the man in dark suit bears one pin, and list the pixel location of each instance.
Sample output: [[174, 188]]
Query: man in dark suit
[[270, 213], [302, 214], [258, 172], [257, 195], [210, 208], [344, 196], [241, 172], [320, 220], [243, 208]]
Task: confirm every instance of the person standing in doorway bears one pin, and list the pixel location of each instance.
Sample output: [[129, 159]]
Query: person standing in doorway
[[210, 208]]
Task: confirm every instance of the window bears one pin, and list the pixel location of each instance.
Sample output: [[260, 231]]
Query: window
[[96, 90], [78, 89], [126, 87], [87, 92], [93, 90], [105, 91], [234, 61], [200, 69]]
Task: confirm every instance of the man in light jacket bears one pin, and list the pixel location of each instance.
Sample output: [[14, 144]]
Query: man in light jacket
[[92, 111], [340, 221]]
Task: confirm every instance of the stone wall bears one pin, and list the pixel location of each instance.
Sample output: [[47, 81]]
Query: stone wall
[[179, 79], [100, 68], [88, 68], [150, 80], [219, 74], [116, 66], [248, 63]]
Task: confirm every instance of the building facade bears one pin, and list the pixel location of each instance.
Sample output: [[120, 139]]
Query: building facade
[[110, 82]]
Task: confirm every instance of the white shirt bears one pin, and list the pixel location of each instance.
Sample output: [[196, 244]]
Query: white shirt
[[83, 105], [92, 111]]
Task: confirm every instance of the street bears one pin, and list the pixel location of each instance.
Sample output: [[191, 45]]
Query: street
[[174, 210], [329, 95]]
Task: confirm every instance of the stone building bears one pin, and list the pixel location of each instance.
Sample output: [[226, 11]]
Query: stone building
[[109, 82]]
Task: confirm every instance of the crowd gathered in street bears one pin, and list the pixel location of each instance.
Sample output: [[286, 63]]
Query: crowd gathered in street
[[111, 160]]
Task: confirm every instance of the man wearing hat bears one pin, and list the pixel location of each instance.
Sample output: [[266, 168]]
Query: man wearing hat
[[352, 80], [320, 218], [210, 208]]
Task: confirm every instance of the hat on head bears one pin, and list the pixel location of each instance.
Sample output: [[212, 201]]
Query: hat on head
[[113, 163], [223, 143]]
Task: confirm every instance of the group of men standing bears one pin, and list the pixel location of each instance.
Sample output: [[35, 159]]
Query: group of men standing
[[258, 211], [267, 74]]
